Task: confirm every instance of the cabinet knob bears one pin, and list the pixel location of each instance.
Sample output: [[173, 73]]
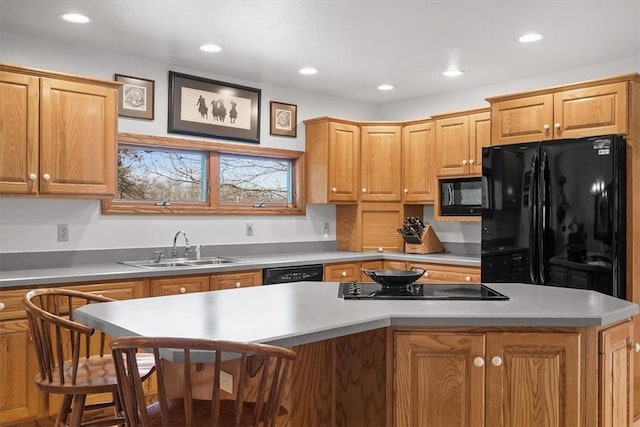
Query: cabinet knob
[[426, 274], [380, 249], [557, 126], [2, 308], [238, 284], [406, 190], [183, 290], [468, 278], [478, 361], [46, 177], [334, 190], [471, 161], [364, 190], [464, 162], [636, 347], [496, 361], [343, 274], [33, 176], [545, 127]]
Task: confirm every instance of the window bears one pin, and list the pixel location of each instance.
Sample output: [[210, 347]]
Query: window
[[153, 174], [254, 180], [162, 175]]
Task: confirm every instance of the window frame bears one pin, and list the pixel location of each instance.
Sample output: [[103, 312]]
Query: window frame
[[212, 206]]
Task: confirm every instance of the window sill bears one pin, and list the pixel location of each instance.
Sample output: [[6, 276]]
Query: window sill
[[115, 208]]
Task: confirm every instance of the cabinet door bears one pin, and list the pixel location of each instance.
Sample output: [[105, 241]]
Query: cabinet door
[[78, 125], [179, 285], [522, 120], [439, 379], [344, 272], [20, 398], [533, 379], [479, 136], [452, 146], [591, 111], [380, 164], [235, 280], [379, 230], [616, 376], [18, 133], [344, 159], [418, 163]]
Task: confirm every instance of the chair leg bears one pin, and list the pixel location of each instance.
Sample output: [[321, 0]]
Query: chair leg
[[63, 412], [77, 409]]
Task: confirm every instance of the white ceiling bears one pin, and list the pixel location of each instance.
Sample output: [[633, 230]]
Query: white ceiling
[[355, 44]]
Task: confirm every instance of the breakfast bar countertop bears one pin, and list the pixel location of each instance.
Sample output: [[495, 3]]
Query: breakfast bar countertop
[[303, 312]]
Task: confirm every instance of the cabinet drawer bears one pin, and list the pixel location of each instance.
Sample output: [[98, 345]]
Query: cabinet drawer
[[11, 304], [235, 280], [179, 285], [436, 273], [345, 272], [370, 265], [116, 290]]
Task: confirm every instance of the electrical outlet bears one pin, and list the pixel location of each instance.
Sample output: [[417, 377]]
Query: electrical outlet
[[226, 382], [326, 228], [63, 232], [249, 229]]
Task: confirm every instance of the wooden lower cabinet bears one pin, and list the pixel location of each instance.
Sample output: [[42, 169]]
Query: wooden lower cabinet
[[509, 378], [235, 280], [20, 398], [616, 375]]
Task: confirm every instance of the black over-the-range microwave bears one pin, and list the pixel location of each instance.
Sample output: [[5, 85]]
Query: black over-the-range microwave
[[460, 196]]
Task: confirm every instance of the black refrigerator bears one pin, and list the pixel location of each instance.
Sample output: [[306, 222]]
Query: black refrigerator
[[554, 213]]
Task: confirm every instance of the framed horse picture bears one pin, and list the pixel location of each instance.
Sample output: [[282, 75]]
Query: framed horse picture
[[210, 108]]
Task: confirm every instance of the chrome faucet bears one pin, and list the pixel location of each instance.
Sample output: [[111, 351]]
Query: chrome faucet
[[187, 248]]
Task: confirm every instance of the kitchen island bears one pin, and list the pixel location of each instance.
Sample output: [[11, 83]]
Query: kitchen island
[[533, 359]]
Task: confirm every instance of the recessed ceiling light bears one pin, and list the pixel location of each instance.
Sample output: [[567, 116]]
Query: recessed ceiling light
[[76, 18], [452, 73], [308, 71], [210, 48], [385, 87], [530, 38]]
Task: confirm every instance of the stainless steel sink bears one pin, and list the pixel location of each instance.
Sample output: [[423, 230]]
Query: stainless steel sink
[[182, 262]]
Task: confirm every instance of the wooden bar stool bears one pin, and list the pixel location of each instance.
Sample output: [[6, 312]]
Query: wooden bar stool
[[245, 391], [71, 358]]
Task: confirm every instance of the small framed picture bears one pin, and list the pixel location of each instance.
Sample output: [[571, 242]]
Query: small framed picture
[[135, 97], [284, 119]]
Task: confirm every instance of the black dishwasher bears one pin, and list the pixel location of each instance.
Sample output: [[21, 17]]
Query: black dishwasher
[[300, 273]]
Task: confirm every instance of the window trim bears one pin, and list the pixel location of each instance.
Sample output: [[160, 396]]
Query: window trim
[[211, 207]]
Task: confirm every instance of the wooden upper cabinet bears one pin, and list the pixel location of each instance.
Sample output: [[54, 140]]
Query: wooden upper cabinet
[[418, 163], [479, 136], [18, 133], [380, 163], [459, 142], [591, 111], [332, 160], [77, 138], [58, 134], [575, 111]]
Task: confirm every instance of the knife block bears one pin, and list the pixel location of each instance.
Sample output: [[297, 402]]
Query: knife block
[[430, 243]]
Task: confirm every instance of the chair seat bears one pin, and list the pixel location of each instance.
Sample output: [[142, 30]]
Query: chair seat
[[202, 413], [95, 375]]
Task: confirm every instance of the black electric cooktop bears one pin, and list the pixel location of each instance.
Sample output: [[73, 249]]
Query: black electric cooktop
[[449, 291]]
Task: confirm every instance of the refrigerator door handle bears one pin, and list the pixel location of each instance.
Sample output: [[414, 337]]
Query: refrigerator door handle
[[542, 216], [533, 219]]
